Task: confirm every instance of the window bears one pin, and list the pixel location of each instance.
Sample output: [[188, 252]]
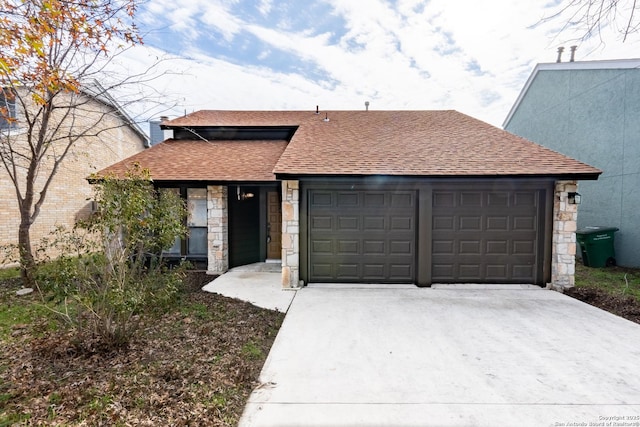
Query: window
[[195, 245], [7, 109], [197, 221]]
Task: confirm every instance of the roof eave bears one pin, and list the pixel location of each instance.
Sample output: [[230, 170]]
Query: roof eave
[[556, 177]]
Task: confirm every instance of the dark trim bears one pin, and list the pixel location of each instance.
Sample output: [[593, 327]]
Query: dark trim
[[548, 232], [424, 220], [196, 184], [235, 133]]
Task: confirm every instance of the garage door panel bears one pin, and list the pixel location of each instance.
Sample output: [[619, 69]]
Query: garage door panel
[[373, 237], [470, 223], [401, 223], [322, 271], [374, 247], [349, 199], [524, 223], [500, 199], [527, 199], [444, 199], [470, 199], [321, 198], [348, 247], [348, 223], [403, 200], [351, 271], [321, 223], [322, 246], [374, 223], [485, 236], [442, 222], [497, 247], [401, 247], [374, 272], [469, 247], [497, 223], [374, 200]]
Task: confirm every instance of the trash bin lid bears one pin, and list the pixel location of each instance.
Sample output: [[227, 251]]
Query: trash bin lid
[[594, 229]]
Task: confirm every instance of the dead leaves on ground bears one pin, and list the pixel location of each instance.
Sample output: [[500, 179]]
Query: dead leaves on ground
[[189, 367]]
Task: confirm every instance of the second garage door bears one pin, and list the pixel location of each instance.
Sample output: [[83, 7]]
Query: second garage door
[[487, 236], [362, 236]]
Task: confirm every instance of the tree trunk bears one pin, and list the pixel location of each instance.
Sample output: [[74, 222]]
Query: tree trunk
[[27, 261]]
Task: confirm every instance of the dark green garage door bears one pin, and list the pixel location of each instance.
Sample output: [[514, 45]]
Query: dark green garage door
[[362, 236], [486, 236]]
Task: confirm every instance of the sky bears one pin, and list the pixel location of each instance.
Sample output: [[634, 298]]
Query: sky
[[473, 56]]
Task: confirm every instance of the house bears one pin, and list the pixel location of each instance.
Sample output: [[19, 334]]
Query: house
[[590, 110], [369, 196], [110, 135]]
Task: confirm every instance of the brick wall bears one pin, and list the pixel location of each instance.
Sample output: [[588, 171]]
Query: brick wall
[[563, 253], [67, 198]]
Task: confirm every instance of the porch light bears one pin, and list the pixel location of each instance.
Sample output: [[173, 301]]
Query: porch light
[[244, 196], [574, 198]]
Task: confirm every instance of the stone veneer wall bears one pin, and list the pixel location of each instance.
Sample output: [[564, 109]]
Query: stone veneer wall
[[563, 252], [290, 234], [218, 229]]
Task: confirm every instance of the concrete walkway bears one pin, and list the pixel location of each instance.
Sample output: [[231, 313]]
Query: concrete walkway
[[259, 284], [447, 357]]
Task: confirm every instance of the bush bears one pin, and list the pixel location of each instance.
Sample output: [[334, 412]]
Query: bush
[[111, 271]]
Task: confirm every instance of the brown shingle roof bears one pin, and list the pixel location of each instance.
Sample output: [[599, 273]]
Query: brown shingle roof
[[400, 143], [434, 143], [206, 161]]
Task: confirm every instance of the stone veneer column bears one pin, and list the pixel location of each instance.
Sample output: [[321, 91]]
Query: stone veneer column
[[563, 252], [218, 229], [290, 234]]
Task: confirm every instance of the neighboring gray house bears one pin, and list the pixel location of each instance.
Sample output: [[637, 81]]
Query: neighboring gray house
[[590, 110]]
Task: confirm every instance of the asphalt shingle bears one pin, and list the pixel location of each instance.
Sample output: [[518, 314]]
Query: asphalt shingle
[[443, 143]]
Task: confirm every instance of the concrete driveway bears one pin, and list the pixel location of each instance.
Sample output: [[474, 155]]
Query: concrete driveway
[[448, 357]]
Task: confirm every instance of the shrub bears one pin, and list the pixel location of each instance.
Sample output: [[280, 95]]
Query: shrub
[[111, 271]]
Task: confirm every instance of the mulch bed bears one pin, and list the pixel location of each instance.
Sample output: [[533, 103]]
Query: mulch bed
[[193, 366], [621, 305]]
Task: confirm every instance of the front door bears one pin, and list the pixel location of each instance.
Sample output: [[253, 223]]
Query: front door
[[274, 225]]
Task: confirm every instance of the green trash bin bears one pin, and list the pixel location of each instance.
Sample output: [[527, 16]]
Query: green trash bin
[[596, 246]]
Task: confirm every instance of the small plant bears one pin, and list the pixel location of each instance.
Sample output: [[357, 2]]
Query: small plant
[[111, 271], [251, 350]]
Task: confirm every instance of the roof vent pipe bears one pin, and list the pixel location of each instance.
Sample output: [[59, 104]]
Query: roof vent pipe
[[366, 105], [573, 53], [317, 110], [326, 117], [560, 50]]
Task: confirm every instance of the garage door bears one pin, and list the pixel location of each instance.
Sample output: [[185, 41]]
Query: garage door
[[486, 236], [362, 236]]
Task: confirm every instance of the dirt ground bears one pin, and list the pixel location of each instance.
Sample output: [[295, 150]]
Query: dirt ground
[[193, 366], [622, 305]]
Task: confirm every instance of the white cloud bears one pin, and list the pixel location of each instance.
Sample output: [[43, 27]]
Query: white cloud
[[467, 55]]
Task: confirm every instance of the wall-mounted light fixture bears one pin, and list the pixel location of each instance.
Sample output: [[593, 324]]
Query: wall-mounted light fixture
[[574, 198], [244, 196]]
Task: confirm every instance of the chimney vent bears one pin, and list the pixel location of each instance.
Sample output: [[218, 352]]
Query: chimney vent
[[573, 53], [560, 50], [366, 105]]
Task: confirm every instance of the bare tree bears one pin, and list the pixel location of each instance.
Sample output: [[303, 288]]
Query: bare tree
[[51, 53], [588, 18]]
